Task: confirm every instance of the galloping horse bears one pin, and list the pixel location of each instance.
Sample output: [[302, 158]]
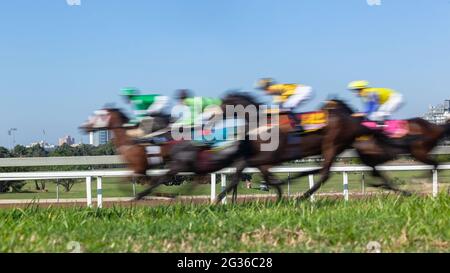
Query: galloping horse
[[419, 140], [189, 157], [113, 119], [337, 135], [180, 156]]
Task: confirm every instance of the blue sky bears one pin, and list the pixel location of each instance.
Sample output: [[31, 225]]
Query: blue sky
[[58, 63]]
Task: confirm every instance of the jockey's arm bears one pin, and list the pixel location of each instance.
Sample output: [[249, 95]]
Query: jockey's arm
[[372, 103], [158, 105], [300, 94]]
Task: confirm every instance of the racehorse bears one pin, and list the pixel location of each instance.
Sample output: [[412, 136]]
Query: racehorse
[[421, 138], [180, 156], [188, 156], [114, 119], [337, 135]]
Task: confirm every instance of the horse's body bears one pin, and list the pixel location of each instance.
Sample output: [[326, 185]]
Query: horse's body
[[339, 133], [421, 139], [178, 156]]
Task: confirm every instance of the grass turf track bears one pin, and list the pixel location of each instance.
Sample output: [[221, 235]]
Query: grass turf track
[[413, 180], [413, 224]]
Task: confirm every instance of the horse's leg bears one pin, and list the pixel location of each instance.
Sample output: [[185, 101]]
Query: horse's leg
[[387, 184], [330, 151], [272, 181], [147, 191], [423, 156], [161, 180], [324, 176], [426, 159], [302, 174], [233, 185]]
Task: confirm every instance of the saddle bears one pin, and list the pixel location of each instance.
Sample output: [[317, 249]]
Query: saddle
[[310, 121], [150, 128], [155, 138], [392, 128]]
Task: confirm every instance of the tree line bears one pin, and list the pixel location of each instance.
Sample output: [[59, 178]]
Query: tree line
[[21, 151], [63, 150]]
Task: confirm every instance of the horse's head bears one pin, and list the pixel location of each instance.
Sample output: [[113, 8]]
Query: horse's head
[[337, 105], [235, 98], [105, 119], [241, 102]]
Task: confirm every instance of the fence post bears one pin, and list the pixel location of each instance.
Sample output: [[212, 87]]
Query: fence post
[[134, 186], [311, 185], [213, 188], [89, 191], [345, 174], [57, 190], [435, 183], [99, 192], [289, 185], [223, 178], [363, 184]]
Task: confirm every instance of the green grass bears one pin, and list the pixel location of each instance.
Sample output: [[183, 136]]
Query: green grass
[[399, 224], [413, 180]]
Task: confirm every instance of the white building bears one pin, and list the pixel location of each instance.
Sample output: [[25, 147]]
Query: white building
[[438, 114], [99, 138], [43, 144]]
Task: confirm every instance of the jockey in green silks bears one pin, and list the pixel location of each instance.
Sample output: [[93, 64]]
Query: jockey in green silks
[[196, 107], [145, 106], [194, 112]]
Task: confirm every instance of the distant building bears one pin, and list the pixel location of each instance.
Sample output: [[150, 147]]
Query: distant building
[[99, 138], [66, 140], [43, 144], [76, 145], [438, 114]]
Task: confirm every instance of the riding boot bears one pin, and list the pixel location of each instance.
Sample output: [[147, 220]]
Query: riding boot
[[298, 125]]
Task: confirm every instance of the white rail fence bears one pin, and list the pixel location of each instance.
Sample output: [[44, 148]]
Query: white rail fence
[[100, 174], [116, 160]]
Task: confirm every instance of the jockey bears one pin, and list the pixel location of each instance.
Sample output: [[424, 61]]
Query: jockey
[[380, 102], [196, 106], [145, 107], [195, 111], [287, 96]]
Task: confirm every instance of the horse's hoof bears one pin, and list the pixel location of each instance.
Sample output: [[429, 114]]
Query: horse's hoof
[[217, 201], [407, 194], [139, 198]]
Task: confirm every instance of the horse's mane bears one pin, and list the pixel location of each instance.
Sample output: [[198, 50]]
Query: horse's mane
[[346, 106], [245, 96], [120, 112]]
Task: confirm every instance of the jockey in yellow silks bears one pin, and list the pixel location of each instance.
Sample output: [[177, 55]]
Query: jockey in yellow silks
[[380, 103], [287, 96]]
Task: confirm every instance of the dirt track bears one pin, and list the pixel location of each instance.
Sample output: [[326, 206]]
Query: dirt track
[[157, 201]]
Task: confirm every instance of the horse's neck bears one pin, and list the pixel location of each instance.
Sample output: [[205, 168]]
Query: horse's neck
[[120, 138]]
